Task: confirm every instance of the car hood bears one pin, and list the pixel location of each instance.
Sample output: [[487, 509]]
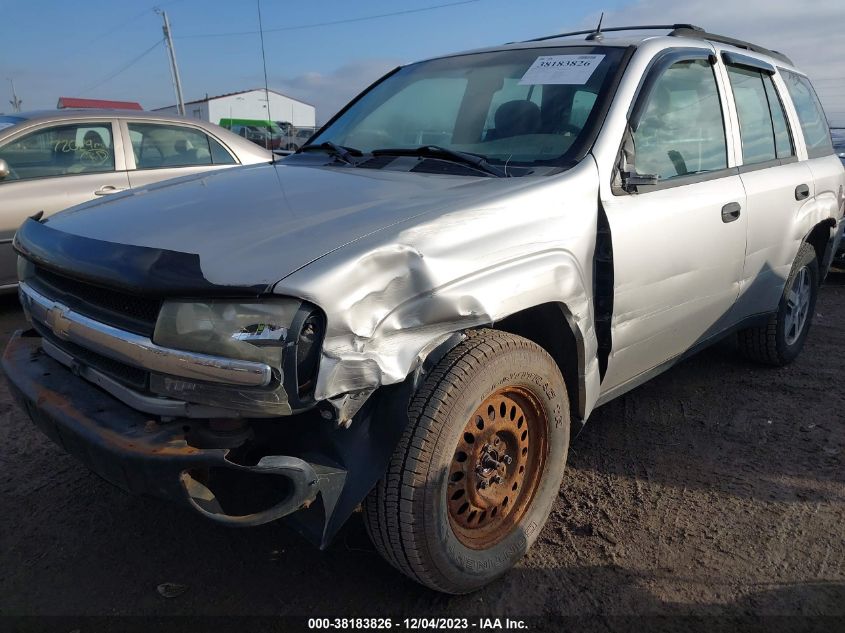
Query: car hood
[[253, 226]]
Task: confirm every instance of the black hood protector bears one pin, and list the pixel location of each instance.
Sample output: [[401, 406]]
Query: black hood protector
[[137, 269]]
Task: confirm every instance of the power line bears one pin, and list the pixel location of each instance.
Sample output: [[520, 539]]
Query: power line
[[122, 68], [86, 47], [333, 22]]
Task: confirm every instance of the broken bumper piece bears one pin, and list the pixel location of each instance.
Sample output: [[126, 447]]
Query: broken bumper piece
[[166, 460]]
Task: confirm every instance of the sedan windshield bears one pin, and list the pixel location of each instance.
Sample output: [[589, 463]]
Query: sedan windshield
[[518, 107]]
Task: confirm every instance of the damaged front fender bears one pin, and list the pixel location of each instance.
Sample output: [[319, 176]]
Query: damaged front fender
[[394, 295]]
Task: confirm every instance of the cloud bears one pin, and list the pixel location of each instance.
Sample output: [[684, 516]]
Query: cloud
[[331, 91], [811, 34]]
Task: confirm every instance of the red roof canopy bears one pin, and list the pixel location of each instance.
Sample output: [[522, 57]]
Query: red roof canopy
[[73, 102]]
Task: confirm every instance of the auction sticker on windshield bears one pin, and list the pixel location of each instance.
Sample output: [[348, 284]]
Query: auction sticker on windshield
[[561, 69]]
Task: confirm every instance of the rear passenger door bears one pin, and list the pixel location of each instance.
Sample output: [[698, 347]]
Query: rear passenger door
[[678, 243], [777, 185], [160, 151]]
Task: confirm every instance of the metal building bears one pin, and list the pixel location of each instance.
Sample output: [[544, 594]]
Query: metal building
[[250, 104]]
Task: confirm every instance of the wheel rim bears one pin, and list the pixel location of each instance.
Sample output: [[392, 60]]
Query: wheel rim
[[797, 305], [497, 467]]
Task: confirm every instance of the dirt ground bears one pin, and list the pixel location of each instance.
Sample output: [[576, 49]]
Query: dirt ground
[[716, 489]]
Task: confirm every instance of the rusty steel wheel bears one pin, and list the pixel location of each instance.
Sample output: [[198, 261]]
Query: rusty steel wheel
[[496, 467], [479, 464]]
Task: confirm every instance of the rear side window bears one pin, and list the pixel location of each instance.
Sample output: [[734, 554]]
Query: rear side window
[[762, 123], [681, 131], [61, 150], [156, 146], [810, 114]]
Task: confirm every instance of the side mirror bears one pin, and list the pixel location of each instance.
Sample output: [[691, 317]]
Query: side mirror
[[4, 169], [631, 180]]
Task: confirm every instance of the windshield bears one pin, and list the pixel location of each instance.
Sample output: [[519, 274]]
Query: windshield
[[528, 106]]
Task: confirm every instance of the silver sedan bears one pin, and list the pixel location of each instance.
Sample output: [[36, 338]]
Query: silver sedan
[[55, 159]]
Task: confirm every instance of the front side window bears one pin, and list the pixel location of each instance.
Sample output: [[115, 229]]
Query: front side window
[[681, 130], [60, 150], [158, 145], [522, 106], [810, 114], [762, 123]]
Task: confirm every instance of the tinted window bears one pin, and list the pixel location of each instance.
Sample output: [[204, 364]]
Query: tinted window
[[681, 130], [156, 145], [61, 150], [810, 114], [762, 122], [219, 154]]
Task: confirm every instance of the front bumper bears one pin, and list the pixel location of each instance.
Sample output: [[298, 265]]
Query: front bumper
[[166, 460]]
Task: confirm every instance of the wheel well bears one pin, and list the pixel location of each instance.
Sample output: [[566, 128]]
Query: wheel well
[[819, 238], [548, 326]]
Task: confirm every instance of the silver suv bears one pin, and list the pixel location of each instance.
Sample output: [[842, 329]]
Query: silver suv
[[418, 308]]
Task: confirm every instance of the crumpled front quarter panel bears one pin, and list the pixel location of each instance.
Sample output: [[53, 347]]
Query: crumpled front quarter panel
[[394, 295]]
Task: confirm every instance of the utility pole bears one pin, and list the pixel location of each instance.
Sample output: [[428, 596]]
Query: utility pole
[[16, 103], [174, 69]]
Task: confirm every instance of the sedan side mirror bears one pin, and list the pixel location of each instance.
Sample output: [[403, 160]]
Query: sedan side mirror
[[4, 169]]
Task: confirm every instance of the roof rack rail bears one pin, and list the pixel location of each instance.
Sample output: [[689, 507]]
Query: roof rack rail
[[675, 30], [701, 34], [642, 27]]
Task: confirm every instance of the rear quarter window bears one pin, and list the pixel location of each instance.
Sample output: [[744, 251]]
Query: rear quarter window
[[810, 114]]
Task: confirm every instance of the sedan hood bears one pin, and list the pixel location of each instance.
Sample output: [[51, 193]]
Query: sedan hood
[[253, 226]]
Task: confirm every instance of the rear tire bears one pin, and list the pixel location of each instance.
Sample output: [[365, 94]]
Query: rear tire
[[779, 341], [473, 478]]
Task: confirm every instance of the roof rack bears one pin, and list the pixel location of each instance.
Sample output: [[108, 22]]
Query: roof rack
[[675, 30], [643, 27], [701, 34]]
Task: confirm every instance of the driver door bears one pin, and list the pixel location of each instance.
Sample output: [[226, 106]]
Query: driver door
[[677, 220]]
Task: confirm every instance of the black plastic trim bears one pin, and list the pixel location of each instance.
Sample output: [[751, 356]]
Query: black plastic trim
[[777, 162], [745, 61], [613, 29], [701, 34], [135, 269], [655, 68], [680, 181]]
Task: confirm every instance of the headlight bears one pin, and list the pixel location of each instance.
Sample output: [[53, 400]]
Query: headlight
[[285, 333], [247, 331]]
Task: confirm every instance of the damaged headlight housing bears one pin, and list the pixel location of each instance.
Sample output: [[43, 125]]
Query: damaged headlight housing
[[246, 331], [284, 333]]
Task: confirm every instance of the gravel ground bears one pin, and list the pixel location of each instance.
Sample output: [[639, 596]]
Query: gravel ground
[[716, 489]]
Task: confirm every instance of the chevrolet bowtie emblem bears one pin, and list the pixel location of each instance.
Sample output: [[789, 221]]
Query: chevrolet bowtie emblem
[[57, 320]]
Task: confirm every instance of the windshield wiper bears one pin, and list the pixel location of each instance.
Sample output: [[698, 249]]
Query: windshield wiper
[[344, 154], [436, 151]]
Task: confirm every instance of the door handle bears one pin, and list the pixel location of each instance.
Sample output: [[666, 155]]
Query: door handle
[[802, 192], [106, 190], [730, 212]]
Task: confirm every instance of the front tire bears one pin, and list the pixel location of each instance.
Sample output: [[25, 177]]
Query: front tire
[[780, 341], [472, 481]]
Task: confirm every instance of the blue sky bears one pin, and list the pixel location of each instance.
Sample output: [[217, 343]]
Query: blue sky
[[82, 48]]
